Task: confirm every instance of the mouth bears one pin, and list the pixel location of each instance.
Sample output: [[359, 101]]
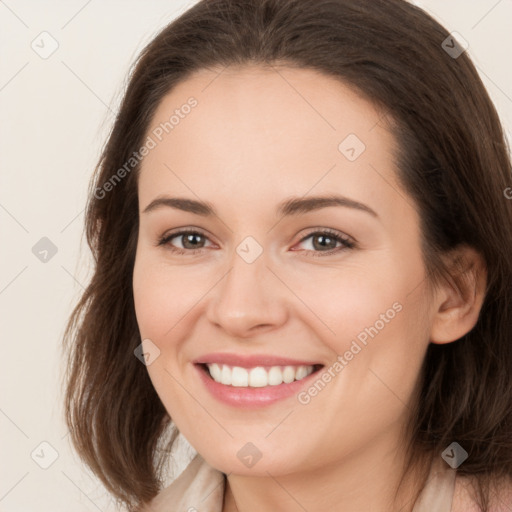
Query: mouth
[[257, 376], [254, 380]]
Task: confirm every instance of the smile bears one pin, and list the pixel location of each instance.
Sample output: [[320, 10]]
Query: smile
[[256, 384], [258, 376]]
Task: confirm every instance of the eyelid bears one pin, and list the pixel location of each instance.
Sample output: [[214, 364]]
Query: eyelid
[[181, 231], [333, 232]]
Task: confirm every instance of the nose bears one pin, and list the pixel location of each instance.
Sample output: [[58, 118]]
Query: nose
[[249, 300]]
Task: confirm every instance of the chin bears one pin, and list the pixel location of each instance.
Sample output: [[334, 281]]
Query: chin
[[229, 462]]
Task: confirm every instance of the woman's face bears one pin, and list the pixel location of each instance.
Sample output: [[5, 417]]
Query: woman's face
[[277, 275]]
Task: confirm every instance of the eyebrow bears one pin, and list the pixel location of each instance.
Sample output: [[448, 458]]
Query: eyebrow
[[293, 206]]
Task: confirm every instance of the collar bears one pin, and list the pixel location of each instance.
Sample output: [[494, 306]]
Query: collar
[[199, 487]]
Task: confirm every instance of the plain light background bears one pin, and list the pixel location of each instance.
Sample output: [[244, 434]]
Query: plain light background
[[56, 113]]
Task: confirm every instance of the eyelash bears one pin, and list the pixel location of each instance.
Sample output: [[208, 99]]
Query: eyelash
[[346, 242]]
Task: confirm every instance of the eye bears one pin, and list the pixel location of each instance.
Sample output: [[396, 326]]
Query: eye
[[191, 241], [325, 242]]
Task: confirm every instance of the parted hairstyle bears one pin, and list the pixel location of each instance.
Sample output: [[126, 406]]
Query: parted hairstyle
[[453, 160]]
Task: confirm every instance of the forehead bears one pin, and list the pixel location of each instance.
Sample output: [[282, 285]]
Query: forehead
[[268, 132]]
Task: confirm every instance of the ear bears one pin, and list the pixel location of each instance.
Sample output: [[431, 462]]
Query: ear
[[457, 304]]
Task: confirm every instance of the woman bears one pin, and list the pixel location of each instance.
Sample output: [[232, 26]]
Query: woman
[[302, 240]]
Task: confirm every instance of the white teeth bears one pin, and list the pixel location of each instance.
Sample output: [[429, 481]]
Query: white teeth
[[225, 375], [289, 374], [239, 377], [301, 372], [258, 376], [275, 376], [215, 372]]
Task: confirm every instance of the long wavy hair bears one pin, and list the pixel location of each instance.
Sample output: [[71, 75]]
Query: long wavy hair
[[452, 159]]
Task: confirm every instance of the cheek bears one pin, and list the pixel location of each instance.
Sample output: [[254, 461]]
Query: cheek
[[380, 342], [374, 317], [353, 297], [378, 350], [163, 299], [164, 295]]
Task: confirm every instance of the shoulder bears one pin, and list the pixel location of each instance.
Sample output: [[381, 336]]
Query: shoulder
[[465, 495]]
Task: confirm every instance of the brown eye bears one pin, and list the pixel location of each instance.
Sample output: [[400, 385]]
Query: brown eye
[[192, 240], [188, 241], [326, 242], [322, 241]]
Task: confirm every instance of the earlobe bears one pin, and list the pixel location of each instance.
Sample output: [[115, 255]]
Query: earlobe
[[459, 301]]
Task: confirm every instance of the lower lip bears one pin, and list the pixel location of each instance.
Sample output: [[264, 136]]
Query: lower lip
[[248, 397]]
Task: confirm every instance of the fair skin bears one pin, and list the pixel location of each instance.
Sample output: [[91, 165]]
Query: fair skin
[[257, 138]]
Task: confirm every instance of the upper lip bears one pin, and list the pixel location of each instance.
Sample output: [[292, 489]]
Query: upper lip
[[250, 361]]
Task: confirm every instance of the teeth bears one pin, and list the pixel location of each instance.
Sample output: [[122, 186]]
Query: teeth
[[239, 377], [257, 377]]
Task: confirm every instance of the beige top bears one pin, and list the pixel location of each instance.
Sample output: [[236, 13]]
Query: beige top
[[200, 488]]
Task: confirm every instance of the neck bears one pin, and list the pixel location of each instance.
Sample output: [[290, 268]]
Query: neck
[[366, 479]]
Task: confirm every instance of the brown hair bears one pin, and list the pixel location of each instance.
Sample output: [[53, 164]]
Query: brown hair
[[452, 159]]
